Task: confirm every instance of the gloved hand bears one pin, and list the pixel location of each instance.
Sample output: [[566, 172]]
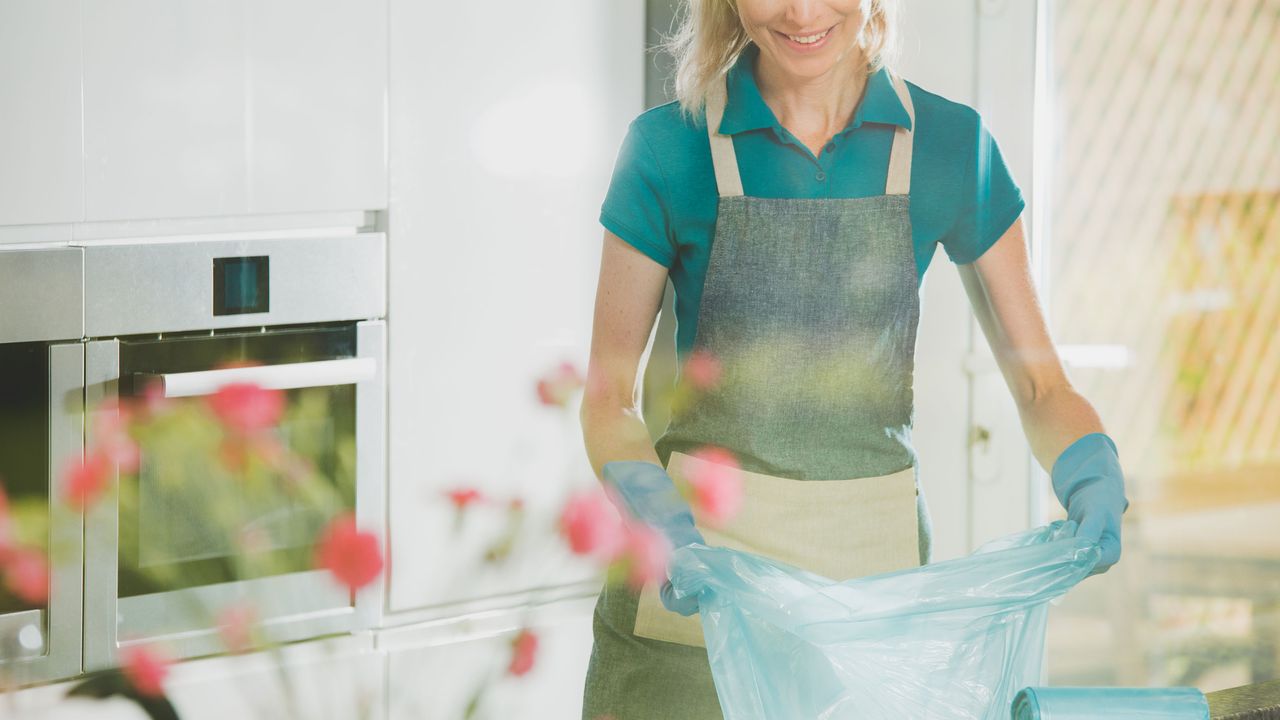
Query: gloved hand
[[651, 497], [1088, 482]]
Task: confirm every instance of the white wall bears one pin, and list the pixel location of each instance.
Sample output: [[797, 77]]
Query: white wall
[[937, 52], [502, 144]]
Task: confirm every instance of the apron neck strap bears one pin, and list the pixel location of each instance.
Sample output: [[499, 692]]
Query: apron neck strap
[[725, 159], [898, 180]]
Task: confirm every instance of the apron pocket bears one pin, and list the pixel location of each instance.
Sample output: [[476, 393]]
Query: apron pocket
[[840, 529]]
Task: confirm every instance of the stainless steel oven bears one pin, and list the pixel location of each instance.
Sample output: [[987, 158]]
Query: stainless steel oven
[[301, 315], [41, 430]]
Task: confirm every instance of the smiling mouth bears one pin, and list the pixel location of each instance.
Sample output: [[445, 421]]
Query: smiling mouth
[[808, 39]]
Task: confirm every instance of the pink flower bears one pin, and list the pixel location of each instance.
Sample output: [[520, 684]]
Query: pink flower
[[557, 387], [153, 402], [85, 479], [26, 573], [235, 626], [524, 651], [702, 369], [464, 497], [717, 485], [145, 667], [352, 555], [111, 423], [647, 552], [246, 408], [591, 526]]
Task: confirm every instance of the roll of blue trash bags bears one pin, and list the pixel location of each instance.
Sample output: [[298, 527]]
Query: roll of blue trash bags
[[954, 639], [1100, 703]]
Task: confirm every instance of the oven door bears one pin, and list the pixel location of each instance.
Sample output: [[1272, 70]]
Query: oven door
[[41, 431], [159, 567]]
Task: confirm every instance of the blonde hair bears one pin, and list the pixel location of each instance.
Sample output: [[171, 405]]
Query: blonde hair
[[709, 37]]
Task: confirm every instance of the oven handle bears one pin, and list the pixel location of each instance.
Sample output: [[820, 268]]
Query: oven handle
[[290, 376]]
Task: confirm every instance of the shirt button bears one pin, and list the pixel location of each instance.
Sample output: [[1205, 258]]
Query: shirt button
[[820, 176], [830, 147]]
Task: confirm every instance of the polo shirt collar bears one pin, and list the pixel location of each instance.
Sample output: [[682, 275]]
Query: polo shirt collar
[[746, 109]]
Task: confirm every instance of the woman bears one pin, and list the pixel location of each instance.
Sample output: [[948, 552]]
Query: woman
[[795, 195]]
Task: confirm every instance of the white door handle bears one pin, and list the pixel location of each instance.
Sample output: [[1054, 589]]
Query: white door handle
[[291, 376]]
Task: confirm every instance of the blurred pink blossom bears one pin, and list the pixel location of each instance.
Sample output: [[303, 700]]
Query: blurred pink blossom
[[85, 479], [717, 485], [557, 386], [646, 555], [146, 668], [111, 429], [702, 369], [235, 626], [351, 554], [591, 526], [26, 573], [464, 497], [152, 402], [524, 651], [246, 408]]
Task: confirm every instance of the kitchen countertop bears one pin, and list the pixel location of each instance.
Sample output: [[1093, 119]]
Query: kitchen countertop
[[1260, 701]]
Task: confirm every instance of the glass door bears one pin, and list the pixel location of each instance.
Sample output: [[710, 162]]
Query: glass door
[[213, 516], [186, 521]]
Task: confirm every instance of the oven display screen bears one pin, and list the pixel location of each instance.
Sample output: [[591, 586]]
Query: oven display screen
[[241, 285]]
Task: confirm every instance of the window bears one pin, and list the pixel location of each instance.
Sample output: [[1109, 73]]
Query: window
[[1164, 287]]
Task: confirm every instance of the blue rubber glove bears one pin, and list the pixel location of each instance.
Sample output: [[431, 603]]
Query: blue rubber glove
[[1088, 482], [651, 497]]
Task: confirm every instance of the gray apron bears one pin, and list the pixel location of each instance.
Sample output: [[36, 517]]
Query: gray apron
[[811, 306]]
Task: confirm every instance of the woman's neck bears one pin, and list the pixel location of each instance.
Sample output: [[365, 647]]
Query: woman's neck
[[814, 107]]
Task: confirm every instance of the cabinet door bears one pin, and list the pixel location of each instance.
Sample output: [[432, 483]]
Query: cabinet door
[[164, 109], [317, 105], [498, 169], [41, 173], [196, 109]]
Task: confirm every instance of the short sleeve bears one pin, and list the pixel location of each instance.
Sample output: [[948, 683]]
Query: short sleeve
[[990, 200], [636, 207]]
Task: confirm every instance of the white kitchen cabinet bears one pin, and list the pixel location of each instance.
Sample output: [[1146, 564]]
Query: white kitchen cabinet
[[317, 105], [437, 680], [164, 96], [235, 107], [41, 175], [502, 145]]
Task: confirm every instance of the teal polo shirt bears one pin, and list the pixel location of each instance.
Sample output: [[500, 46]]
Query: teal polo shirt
[[662, 198]]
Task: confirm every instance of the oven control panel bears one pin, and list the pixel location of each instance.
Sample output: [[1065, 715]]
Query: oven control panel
[[241, 285]]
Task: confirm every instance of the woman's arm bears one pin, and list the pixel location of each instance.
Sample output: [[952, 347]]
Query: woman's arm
[[1004, 300], [1065, 432], [628, 297], [627, 301]]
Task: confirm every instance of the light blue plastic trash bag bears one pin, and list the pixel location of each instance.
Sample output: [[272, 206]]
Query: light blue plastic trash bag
[[1099, 703], [949, 640]]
